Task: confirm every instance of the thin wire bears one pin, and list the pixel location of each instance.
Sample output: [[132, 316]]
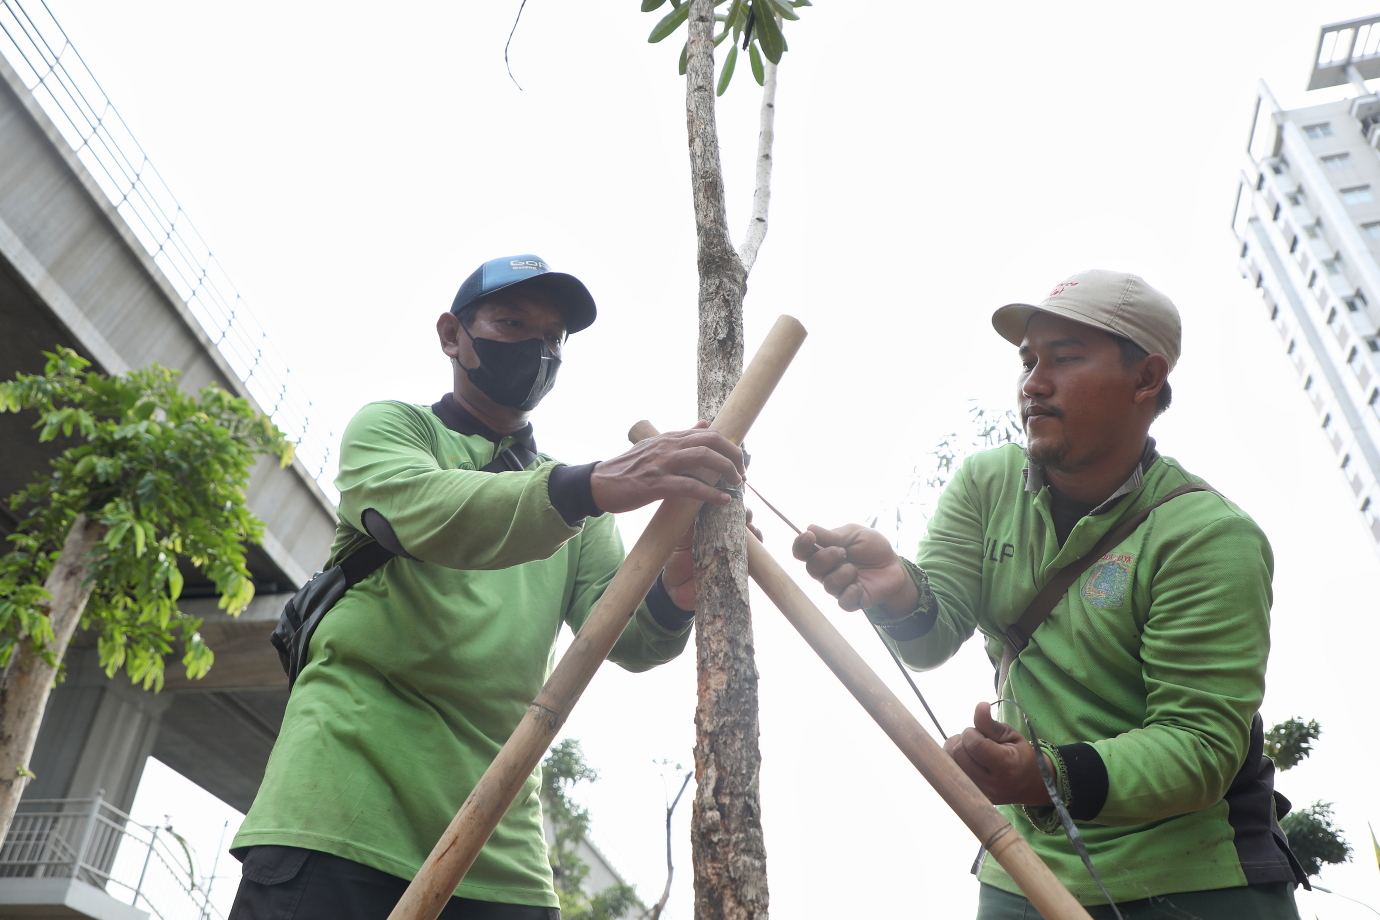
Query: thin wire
[[1070, 829], [510, 41], [894, 657]]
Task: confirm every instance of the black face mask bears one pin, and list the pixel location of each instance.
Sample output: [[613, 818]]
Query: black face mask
[[513, 374]]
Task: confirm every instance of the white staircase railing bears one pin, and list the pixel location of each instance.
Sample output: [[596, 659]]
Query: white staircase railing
[[148, 867]]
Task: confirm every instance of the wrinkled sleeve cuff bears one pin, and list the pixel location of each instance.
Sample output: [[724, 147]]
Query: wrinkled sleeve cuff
[[920, 620], [664, 610], [570, 493], [1086, 779]]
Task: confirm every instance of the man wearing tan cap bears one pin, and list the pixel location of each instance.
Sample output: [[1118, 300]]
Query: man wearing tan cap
[[1128, 605]]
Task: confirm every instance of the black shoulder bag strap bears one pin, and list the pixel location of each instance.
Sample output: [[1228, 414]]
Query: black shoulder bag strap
[[304, 610], [1019, 633]]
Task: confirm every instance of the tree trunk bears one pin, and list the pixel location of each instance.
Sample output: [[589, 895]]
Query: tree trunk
[[729, 854], [29, 680]]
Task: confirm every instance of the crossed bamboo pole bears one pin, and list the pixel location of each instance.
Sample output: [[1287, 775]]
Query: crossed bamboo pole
[[1002, 841]]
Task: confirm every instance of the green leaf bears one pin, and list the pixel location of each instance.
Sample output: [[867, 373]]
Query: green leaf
[[669, 23], [684, 58], [649, 5], [768, 33], [727, 73], [755, 60], [174, 584], [784, 8]]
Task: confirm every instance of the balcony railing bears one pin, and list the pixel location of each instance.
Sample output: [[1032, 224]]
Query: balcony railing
[[89, 840], [38, 49]]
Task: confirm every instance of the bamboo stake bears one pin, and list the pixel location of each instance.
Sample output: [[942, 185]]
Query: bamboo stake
[[455, 852], [998, 837], [1001, 840]]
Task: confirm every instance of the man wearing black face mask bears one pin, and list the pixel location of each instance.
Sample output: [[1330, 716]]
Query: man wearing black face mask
[[421, 671]]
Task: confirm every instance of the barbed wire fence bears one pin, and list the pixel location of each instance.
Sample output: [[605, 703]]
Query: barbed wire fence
[[36, 46]]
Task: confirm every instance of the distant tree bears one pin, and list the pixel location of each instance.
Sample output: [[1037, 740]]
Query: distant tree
[[563, 768], [155, 476], [987, 428], [1313, 836], [654, 912], [1289, 742]]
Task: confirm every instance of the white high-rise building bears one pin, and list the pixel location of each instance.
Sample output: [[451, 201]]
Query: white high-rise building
[[1307, 219]]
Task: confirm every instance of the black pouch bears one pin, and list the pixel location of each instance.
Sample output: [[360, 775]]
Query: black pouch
[[304, 610]]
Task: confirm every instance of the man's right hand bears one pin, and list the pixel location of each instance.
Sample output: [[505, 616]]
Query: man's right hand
[[655, 469], [858, 566]]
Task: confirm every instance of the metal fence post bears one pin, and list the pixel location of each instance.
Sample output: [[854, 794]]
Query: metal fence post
[[138, 889], [88, 832]]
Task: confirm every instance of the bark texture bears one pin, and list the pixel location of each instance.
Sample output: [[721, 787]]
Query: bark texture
[[729, 853], [29, 679]]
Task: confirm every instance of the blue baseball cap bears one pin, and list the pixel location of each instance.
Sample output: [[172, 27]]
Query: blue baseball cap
[[530, 272]]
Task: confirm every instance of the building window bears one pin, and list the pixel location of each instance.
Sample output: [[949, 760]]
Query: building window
[[1317, 131], [1245, 248], [1294, 243], [1372, 229], [1312, 279], [1351, 357], [1351, 305], [1331, 316], [1359, 298], [1260, 182], [1333, 265], [1337, 161], [1359, 194], [1295, 198], [1280, 166], [1373, 344], [1278, 208]]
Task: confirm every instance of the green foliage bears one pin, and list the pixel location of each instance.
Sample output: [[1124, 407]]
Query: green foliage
[[1314, 838], [1287, 744], [754, 23], [165, 472], [563, 768]]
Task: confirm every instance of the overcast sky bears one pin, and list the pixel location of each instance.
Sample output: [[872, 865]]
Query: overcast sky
[[352, 163]]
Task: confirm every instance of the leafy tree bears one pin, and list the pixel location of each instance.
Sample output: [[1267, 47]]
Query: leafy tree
[[563, 768], [1313, 837], [756, 23], [155, 476], [1288, 743]]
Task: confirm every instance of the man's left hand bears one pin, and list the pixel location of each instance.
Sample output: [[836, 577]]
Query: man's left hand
[[679, 574], [999, 760]]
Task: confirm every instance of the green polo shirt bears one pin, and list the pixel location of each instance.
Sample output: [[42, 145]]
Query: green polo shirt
[[420, 673], [1145, 680]]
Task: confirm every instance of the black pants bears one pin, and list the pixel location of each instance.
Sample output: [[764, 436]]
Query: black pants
[[288, 883]]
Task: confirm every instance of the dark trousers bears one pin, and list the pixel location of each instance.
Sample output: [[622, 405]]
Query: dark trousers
[[1252, 902], [288, 883]]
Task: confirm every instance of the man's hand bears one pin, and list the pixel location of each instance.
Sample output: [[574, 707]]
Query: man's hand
[[999, 760], [857, 566], [679, 574], [655, 469]]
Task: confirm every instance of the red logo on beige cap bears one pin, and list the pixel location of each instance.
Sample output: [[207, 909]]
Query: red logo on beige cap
[[1061, 287]]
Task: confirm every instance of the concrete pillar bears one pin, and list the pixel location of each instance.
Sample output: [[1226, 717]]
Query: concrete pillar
[[97, 733]]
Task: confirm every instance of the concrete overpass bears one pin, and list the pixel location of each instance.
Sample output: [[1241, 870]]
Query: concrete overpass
[[95, 255]]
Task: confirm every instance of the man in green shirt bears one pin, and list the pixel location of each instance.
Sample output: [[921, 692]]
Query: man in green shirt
[[420, 672], [1144, 682]]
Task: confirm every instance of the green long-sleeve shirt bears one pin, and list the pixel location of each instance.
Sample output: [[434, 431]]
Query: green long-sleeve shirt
[[1145, 680], [420, 673]]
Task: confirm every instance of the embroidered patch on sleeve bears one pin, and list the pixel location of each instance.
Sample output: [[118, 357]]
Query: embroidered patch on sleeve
[[1108, 578]]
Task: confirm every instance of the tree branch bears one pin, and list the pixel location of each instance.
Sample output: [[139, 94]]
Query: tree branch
[[654, 912], [761, 196]]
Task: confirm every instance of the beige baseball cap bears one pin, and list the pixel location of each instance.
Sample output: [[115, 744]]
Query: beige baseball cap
[[1114, 302]]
